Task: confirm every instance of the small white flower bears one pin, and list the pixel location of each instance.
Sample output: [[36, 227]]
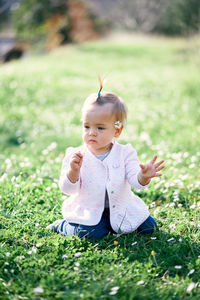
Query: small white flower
[[8, 161], [178, 267], [38, 245], [45, 152], [52, 146], [58, 159], [186, 154], [191, 272], [176, 198], [140, 282], [54, 185], [134, 243], [34, 250], [3, 177], [77, 254], [172, 226], [118, 124], [191, 166], [13, 178], [38, 290], [109, 279], [190, 287], [153, 238], [192, 206], [40, 180], [152, 204], [114, 290], [193, 158], [169, 240], [65, 256]]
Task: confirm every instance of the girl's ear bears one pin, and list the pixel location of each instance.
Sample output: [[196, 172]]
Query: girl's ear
[[118, 131]]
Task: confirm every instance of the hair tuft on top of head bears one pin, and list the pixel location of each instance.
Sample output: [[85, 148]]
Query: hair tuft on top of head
[[100, 88]]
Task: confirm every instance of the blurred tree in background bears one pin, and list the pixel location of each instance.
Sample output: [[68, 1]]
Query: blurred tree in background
[[60, 21], [4, 10], [5, 7], [171, 17], [34, 19], [181, 17]]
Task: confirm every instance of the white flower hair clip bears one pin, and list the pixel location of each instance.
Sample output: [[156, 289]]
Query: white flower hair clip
[[118, 124]]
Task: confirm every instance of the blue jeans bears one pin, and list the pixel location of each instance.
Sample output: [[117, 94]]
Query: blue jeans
[[100, 230]]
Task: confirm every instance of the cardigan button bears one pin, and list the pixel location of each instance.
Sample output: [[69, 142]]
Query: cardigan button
[[116, 165], [112, 192], [113, 206]]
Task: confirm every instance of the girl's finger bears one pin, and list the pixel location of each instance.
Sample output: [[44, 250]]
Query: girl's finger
[[159, 163], [154, 159], [76, 160], [142, 166], [158, 175], [79, 155], [160, 168]]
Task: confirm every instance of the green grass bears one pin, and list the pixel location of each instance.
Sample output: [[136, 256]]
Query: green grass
[[40, 103]]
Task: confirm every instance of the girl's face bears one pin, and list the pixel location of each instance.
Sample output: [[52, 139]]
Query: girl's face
[[98, 128]]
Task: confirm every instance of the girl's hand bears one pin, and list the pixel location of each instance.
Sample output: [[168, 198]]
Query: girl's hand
[[76, 161], [75, 165], [150, 170]]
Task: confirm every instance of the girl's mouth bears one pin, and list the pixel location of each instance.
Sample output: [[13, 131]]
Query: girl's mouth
[[92, 141]]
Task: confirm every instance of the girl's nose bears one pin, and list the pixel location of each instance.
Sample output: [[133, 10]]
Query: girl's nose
[[92, 131]]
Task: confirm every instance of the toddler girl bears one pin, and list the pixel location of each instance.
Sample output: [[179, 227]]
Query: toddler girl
[[99, 175]]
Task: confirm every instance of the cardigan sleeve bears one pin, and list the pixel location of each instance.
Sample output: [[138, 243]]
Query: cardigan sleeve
[[65, 184], [132, 168]]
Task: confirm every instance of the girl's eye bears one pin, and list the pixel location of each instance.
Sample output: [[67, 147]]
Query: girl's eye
[[86, 126], [101, 128]]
